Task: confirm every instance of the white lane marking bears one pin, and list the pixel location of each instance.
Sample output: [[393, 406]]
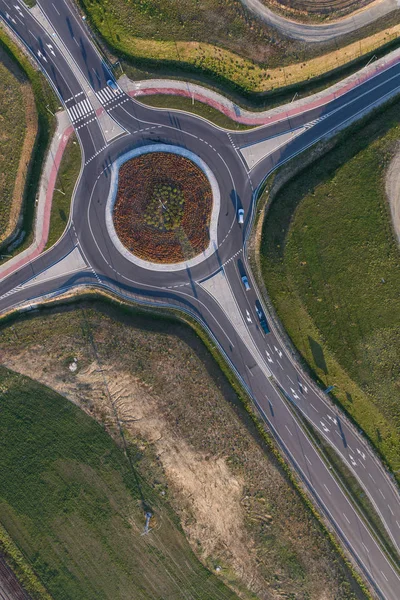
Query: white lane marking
[[346, 518], [337, 433], [290, 379], [327, 490], [55, 8], [308, 460], [279, 364], [295, 396], [390, 508], [32, 34], [382, 494], [50, 47], [398, 524], [289, 430], [384, 576], [365, 547], [353, 462], [269, 359], [351, 449], [372, 477], [312, 406]]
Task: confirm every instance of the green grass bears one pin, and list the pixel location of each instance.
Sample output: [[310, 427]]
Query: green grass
[[331, 267], [67, 176], [45, 101], [74, 504], [197, 108], [13, 122]]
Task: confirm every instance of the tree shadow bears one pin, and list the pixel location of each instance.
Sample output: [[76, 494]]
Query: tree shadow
[[318, 355]]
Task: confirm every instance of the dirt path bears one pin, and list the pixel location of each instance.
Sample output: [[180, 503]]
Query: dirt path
[[322, 33], [392, 187]]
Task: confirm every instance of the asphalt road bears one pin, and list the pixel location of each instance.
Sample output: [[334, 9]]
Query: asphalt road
[[272, 377], [311, 33]]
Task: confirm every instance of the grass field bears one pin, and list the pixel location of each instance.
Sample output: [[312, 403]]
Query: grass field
[[221, 41], [74, 504], [18, 121], [45, 101], [331, 267], [154, 381], [67, 176]]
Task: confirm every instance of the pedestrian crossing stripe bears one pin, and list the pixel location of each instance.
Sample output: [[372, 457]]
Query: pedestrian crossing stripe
[[80, 110], [107, 94]]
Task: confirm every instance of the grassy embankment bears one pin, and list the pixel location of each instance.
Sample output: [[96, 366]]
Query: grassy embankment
[[44, 97], [65, 184], [231, 49], [142, 378], [331, 267], [18, 132]]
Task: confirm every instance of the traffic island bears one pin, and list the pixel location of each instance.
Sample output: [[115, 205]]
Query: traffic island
[[163, 206]]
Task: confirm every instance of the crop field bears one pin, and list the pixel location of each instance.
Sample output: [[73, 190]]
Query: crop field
[[217, 40], [192, 445], [331, 266], [18, 122], [163, 206]]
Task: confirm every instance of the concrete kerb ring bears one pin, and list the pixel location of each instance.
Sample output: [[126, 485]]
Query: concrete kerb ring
[[213, 244]]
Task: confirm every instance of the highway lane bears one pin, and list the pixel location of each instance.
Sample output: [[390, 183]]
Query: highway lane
[[109, 268]]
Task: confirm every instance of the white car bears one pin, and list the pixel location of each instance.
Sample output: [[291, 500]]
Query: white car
[[240, 216]]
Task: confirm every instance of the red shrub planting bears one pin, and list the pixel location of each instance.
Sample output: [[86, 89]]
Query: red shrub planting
[[163, 207]]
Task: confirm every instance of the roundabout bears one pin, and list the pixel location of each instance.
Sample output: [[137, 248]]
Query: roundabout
[[162, 208]]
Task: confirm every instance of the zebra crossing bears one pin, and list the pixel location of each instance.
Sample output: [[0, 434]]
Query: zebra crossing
[[80, 111], [315, 121], [107, 95]]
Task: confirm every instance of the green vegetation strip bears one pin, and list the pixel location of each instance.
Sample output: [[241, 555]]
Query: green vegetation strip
[[45, 101], [65, 184], [332, 268], [75, 505], [197, 108]]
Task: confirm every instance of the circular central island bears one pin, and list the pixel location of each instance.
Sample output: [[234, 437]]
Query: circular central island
[[163, 207]]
